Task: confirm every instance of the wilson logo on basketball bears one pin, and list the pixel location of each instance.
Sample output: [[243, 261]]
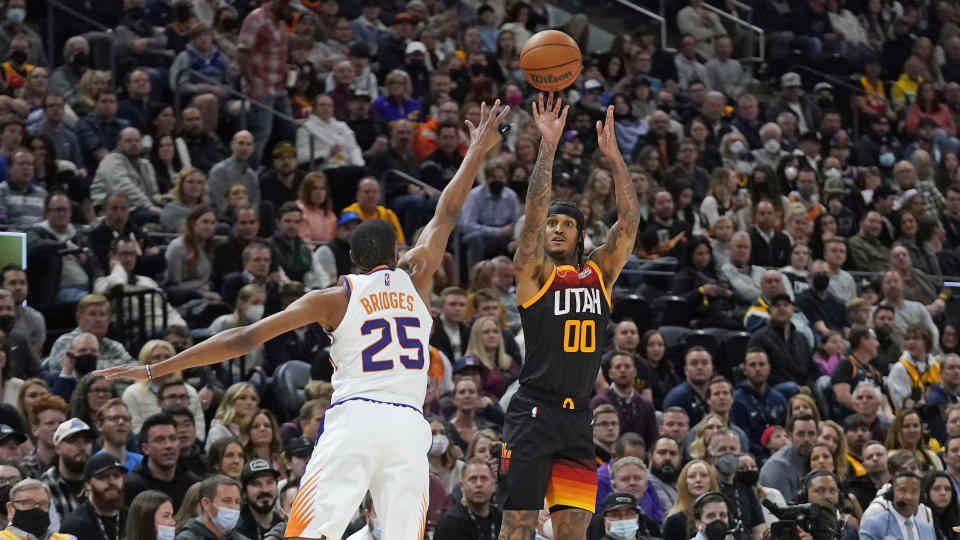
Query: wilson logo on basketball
[[547, 79]]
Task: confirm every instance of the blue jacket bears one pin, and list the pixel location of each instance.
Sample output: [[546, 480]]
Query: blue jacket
[[686, 398], [885, 525], [755, 413]]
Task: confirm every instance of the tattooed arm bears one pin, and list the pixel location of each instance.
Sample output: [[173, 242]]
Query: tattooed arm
[[613, 254], [530, 258]]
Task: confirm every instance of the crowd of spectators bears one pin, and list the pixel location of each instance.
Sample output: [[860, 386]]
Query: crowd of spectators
[[809, 218]]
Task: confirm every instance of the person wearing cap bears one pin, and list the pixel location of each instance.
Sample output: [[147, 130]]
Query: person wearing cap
[[73, 442], [333, 258], [203, 55], [473, 517], [878, 147], [787, 349], [296, 454], [704, 25], [258, 515], [238, 168], [10, 441], [326, 141], [621, 518], [281, 182], [103, 514], [856, 429], [792, 99], [570, 165], [391, 48]]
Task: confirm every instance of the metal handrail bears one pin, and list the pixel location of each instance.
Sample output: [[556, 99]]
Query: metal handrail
[[845, 84], [761, 37], [433, 191], [655, 16], [420, 183], [51, 41]]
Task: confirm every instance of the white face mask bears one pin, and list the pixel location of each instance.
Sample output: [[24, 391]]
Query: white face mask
[[166, 532], [790, 173], [832, 173], [253, 313], [440, 444], [744, 167], [736, 147], [772, 146]]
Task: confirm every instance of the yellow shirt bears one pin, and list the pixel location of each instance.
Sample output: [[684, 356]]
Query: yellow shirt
[[7, 534], [382, 213], [904, 91]]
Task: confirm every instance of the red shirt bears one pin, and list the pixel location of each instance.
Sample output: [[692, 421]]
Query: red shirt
[[264, 41]]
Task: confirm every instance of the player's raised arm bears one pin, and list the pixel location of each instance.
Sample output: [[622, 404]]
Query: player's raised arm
[[530, 256], [424, 259], [613, 254], [317, 306]]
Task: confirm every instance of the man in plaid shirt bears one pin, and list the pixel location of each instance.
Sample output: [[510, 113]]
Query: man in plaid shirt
[[906, 176], [262, 54], [73, 441]]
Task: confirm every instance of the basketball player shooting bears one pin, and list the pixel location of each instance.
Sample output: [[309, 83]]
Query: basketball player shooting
[[374, 436], [564, 307]]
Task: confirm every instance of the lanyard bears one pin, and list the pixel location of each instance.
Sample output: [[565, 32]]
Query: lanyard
[[103, 529]]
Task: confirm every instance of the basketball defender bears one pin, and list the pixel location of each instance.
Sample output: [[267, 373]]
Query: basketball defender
[[564, 307], [374, 436]]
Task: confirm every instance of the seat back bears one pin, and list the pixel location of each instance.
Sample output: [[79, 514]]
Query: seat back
[[633, 307], [823, 393], [288, 382], [733, 351], [674, 311]]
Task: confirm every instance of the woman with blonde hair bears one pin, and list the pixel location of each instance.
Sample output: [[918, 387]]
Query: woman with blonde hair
[[248, 309], [30, 391], [319, 220], [906, 433], [800, 404], [707, 427], [141, 397], [832, 435], [696, 478], [234, 414], [481, 444], [189, 506], [497, 369], [189, 191], [599, 191], [91, 83], [721, 199], [398, 103]]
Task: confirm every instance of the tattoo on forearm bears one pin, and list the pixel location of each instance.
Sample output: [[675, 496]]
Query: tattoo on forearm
[[538, 200]]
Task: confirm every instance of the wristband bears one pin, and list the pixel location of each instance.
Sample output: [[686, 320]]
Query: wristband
[[942, 296], [149, 373]]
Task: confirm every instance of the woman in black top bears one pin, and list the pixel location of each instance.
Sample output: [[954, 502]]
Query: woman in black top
[[699, 284], [661, 374], [938, 494]]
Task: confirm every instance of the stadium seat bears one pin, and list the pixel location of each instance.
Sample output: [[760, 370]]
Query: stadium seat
[[733, 350], [674, 343], [703, 339], [288, 383], [634, 307], [674, 311], [823, 393]]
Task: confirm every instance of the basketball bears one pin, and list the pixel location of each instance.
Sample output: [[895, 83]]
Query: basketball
[[550, 60]]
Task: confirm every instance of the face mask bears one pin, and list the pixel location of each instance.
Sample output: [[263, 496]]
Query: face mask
[[805, 190], [228, 25], [135, 13], [439, 446], [887, 159], [624, 528], [736, 147], [821, 282], [166, 532], [226, 518], [772, 146], [16, 14], [495, 187], [727, 463], [18, 56], [376, 528], [183, 12], [85, 363], [253, 313], [33, 521], [790, 173], [832, 173], [749, 477], [716, 530], [476, 69], [81, 59], [6, 323], [744, 167], [515, 99]]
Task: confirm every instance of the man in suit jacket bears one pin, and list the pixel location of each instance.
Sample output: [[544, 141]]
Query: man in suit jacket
[[899, 520], [450, 334], [256, 269]]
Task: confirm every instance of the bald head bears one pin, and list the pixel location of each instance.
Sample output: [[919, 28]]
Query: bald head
[[771, 284], [368, 194], [402, 135], [85, 343], [242, 145], [343, 73]]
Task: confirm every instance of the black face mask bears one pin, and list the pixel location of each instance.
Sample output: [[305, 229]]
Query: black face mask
[[183, 12], [33, 521], [495, 187], [821, 282], [6, 323], [716, 530], [135, 13], [18, 56], [85, 363], [228, 25], [81, 59], [748, 478], [476, 69]]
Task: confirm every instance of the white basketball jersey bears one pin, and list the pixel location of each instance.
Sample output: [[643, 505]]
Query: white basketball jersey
[[381, 349]]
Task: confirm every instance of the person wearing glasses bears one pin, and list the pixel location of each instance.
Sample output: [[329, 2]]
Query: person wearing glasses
[[27, 512], [114, 423]]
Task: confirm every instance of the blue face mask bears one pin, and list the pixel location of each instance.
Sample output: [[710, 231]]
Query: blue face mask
[[16, 14], [376, 528], [624, 528], [226, 518], [887, 159], [166, 532]]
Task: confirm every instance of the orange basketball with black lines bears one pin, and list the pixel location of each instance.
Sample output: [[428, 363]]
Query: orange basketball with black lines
[[550, 60]]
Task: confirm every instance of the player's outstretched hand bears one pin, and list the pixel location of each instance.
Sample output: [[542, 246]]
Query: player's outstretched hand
[[135, 372], [607, 136], [551, 119], [488, 132]]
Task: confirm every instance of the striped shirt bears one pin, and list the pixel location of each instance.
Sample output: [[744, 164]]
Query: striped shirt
[[21, 208]]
